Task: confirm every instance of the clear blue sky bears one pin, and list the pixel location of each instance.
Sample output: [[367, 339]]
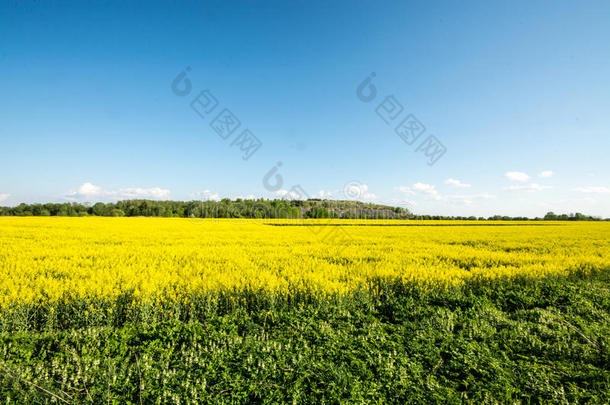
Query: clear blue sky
[[511, 89]]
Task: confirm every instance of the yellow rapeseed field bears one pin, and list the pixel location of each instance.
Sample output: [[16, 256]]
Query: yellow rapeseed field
[[46, 260]]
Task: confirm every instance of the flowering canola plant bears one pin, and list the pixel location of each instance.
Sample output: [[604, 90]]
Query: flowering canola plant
[[46, 260]]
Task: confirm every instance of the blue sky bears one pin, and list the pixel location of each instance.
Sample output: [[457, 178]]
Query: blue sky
[[517, 93]]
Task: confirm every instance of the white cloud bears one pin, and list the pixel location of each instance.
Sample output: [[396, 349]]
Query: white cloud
[[527, 187], [456, 183], [325, 194], [137, 192], [206, 195], [546, 174], [248, 197], [586, 200], [420, 188], [288, 194], [593, 190], [580, 200], [89, 192], [482, 196], [427, 189], [517, 176], [468, 199], [357, 191], [405, 189], [369, 196], [395, 202], [4, 196]]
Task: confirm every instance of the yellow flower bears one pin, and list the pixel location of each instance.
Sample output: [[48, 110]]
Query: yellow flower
[[166, 260]]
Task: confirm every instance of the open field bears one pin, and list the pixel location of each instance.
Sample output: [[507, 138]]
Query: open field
[[153, 309], [47, 261]]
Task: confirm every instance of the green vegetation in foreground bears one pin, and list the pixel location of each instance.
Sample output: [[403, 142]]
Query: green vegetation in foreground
[[516, 341]]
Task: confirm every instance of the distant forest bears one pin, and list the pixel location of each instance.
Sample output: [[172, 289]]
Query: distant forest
[[261, 208]]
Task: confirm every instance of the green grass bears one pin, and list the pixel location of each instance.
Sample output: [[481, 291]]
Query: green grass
[[510, 341]]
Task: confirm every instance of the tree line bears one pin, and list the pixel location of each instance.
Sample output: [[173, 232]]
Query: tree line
[[260, 208], [226, 208]]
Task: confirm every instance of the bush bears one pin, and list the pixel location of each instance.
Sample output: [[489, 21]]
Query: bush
[[503, 341]]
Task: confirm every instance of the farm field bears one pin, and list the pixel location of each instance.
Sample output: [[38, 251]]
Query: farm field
[[57, 260], [237, 310]]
